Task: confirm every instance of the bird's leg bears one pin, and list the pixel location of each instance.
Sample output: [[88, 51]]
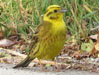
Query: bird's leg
[[40, 63], [55, 63], [41, 66]]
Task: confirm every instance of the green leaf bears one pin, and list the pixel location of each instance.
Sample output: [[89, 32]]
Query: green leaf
[[48, 65], [89, 14], [87, 46]]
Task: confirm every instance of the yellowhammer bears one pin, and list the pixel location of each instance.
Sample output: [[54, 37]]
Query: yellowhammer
[[49, 38]]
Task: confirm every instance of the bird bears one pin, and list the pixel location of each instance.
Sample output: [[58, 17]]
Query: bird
[[49, 37]]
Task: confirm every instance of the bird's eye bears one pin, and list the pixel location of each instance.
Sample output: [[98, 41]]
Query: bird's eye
[[55, 11]]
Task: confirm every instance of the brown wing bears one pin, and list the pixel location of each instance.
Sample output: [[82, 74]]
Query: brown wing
[[40, 32]]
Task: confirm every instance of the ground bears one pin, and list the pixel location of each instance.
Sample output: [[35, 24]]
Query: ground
[[6, 69]]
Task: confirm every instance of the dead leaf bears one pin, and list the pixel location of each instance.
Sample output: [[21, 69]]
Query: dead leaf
[[1, 35], [95, 49], [94, 37], [77, 54], [97, 46], [6, 43], [98, 37]]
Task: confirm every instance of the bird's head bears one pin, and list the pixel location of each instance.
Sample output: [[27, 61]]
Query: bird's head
[[54, 12]]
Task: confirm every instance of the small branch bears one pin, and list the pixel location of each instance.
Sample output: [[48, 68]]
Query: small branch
[[50, 62], [13, 52], [93, 29], [35, 60]]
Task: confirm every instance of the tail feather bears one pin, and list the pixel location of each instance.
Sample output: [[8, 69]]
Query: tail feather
[[24, 63]]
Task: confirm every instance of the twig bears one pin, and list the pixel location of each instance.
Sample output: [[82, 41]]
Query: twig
[[93, 29], [35, 60], [13, 52], [50, 62]]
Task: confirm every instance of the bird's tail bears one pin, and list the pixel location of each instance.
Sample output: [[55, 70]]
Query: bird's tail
[[24, 63]]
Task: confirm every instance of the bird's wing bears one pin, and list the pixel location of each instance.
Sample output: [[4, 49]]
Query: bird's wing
[[40, 32]]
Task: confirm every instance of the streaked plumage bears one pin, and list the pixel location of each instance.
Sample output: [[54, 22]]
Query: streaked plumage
[[49, 37]]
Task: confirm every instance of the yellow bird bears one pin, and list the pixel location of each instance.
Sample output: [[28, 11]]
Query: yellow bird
[[49, 37]]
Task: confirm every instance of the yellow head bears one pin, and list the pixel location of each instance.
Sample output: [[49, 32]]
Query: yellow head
[[54, 12]]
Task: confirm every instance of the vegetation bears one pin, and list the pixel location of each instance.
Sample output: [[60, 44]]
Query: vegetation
[[19, 18], [22, 15]]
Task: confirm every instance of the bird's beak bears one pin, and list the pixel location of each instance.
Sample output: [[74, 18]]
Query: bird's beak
[[63, 10]]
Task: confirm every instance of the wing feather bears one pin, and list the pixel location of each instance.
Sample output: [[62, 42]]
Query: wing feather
[[40, 32]]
